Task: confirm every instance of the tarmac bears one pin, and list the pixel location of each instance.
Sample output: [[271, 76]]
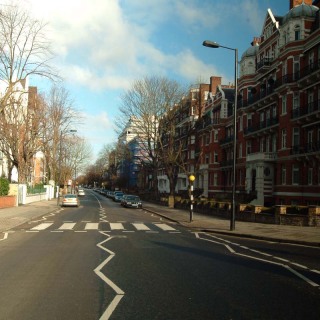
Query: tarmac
[[15, 216]]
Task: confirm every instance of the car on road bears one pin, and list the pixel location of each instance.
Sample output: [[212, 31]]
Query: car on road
[[81, 193], [118, 196], [70, 200], [131, 201]]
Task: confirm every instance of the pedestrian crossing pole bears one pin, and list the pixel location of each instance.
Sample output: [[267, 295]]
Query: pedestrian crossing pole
[[191, 179]]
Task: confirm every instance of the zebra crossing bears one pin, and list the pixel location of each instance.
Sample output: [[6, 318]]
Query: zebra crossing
[[85, 226]]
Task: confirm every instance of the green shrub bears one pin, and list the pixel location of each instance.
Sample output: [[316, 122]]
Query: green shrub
[[4, 186]]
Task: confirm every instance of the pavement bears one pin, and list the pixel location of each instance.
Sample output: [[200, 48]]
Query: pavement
[[13, 217]]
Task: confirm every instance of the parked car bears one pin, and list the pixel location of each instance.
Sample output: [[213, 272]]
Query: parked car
[[71, 200], [118, 196], [81, 193], [131, 201]]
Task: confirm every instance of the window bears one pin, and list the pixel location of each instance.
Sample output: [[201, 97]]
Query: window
[[268, 144], [274, 111], [241, 123], [296, 68], [207, 156], [296, 100], [249, 120], [240, 150], [274, 143], [283, 138], [297, 33], [207, 137], [248, 147], [283, 174], [215, 135], [215, 179], [284, 104], [310, 175], [215, 157], [310, 101], [296, 137], [192, 139], [310, 140], [262, 144], [295, 174]]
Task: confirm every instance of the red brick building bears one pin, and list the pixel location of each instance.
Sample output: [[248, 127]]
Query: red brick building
[[278, 120]]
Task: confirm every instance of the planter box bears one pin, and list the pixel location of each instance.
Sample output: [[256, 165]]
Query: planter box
[[7, 201]]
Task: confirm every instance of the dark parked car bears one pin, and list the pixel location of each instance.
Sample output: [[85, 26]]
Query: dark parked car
[[131, 201]]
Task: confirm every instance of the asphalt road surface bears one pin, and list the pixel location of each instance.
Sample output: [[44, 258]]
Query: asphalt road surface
[[102, 261]]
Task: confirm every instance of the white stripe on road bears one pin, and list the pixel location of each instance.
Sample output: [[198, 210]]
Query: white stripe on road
[[164, 227], [92, 226], [140, 226], [67, 226], [41, 226], [116, 226]]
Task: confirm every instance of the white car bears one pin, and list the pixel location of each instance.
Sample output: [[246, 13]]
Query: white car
[[81, 193]]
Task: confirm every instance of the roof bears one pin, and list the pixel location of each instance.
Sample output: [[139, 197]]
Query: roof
[[250, 52], [302, 10]]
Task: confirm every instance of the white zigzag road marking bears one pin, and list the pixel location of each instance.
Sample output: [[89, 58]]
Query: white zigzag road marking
[[5, 236], [119, 293]]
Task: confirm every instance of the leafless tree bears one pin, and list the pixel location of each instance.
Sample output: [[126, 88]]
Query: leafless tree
[[21, 127], [24, 51], [76, 156], [145, 104], [61, 118]]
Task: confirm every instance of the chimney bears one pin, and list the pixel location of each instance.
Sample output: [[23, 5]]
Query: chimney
[[294, 3], [214, 83], [256, 41]]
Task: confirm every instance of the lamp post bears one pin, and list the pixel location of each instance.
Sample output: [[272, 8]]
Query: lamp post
[[191, 179], [73, 131], [212, 44]]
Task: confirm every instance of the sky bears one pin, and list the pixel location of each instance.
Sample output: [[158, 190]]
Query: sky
[[102, 46]]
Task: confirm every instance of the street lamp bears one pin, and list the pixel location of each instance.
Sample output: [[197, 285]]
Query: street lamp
[[73, 131], [212, 44], [191, 179]]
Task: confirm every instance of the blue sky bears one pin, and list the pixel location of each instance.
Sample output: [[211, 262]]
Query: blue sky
[[102, 46]]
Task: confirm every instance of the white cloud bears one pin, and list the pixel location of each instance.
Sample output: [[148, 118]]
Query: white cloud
[[98, 130]]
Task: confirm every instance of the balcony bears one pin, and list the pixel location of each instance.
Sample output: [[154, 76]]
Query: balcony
[[304, 112], [204, 166], [309, 148], [264, 64], [261, 156], [262, 126], [310, 73]]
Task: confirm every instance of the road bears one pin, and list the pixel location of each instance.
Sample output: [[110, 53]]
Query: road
[[102, 261]]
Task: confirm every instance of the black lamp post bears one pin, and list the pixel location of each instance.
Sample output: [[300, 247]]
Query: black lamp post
[[212, 44]]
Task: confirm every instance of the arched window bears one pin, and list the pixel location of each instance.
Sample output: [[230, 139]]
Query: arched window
[[297, 32]]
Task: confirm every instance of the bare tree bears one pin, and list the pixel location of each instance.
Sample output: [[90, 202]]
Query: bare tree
[[60, 118], [21, 127], [24, 51], [145, 104], [77, 155]]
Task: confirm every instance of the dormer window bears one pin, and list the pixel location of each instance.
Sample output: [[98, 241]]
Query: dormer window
[[297, 33]]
